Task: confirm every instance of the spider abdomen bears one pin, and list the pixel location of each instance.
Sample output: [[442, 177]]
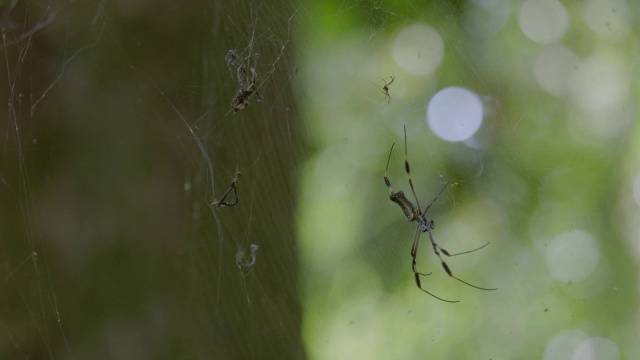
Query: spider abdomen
[[410, 211]]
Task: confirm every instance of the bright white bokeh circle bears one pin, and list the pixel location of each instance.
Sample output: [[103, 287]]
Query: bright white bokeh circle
[[455, 114], [572, 256], [418, 49]]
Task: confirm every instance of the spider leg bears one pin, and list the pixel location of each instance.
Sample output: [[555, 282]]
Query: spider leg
[[385, 87], [387, 84], [414, 253], [408, 170], [444, 264], [386, 179], [242, 75], [437, 196], [253, 83], [257, 93], [460, 253], [414, 247]]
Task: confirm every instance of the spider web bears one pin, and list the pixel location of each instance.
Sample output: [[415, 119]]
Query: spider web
[[117, 145], [142, 217]]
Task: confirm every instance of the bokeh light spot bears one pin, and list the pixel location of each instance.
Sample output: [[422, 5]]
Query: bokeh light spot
[[418, 49], [554, 67], [610, 19], [455, 114], [485, 18], [572, 256], [596, 348], [601, 84], [563, 345], [543, 21]]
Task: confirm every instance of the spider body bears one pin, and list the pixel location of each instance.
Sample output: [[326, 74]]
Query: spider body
[[241, 100], [246, 83], [414, 213], [385, 87], [411, 212]]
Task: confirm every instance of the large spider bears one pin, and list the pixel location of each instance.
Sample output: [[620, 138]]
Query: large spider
[[414, 213]]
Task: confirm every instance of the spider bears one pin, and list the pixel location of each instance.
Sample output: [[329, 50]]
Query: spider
[[385, 87], [414, 213], [221, 202], [241, 100]]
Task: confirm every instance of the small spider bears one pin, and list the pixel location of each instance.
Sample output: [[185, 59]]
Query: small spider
[[241, 100], [414, 213], [221, 202], [385, 87]]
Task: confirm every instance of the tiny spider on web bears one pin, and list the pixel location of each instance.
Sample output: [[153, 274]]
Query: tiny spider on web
[[385, 87], [246, 84], [241, 100], [222, 201], [414, 213]]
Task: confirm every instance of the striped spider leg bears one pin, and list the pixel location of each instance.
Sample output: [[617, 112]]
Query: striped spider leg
[[414, 213]]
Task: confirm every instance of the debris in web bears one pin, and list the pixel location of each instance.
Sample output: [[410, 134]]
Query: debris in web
[[247, 76], [247, 261]]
